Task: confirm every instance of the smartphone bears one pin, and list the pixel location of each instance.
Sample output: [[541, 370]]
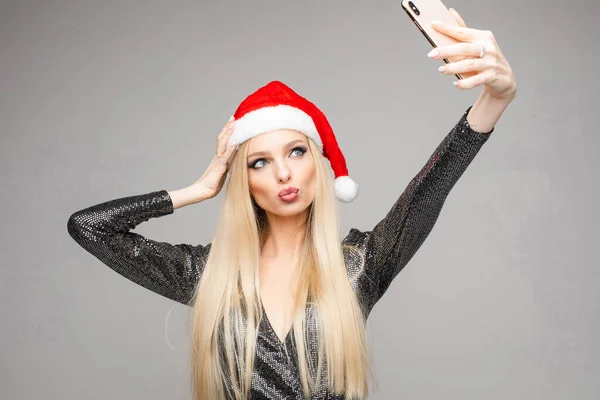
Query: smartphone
[[422, 12]]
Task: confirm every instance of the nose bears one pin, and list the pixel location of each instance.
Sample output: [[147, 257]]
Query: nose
[[283, 173]]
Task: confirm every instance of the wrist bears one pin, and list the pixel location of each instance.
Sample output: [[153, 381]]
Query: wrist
[[186, 196], [504, 99], [486, 111], [196, 193]]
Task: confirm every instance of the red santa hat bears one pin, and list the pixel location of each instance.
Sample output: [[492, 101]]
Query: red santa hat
[[276, 106]]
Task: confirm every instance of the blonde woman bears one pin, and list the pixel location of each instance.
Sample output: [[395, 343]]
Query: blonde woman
[[279, 299]]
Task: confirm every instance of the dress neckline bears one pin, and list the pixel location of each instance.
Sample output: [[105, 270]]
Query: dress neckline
[[272, 330]]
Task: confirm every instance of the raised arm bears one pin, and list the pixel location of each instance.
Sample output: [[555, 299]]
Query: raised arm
[[398, 236], [376, 257], [173, 271], [104, 230]]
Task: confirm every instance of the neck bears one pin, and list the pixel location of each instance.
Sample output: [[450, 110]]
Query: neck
[[286, 235]]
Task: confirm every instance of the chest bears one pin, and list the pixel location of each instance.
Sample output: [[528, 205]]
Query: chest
[[277, 296]]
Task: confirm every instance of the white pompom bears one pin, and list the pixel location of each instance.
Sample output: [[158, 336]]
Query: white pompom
[[346, 189]]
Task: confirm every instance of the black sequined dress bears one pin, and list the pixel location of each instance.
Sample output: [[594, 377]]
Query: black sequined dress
[[373, 258]]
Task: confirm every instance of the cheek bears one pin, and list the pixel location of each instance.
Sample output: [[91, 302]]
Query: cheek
[[258, 185], [310, 177]]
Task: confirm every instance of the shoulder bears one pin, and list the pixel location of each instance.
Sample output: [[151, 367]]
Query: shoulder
[[355, 250], [203, 252], [355, 240], [358, 257]]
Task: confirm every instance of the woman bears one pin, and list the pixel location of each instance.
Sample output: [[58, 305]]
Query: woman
[[279, 303]]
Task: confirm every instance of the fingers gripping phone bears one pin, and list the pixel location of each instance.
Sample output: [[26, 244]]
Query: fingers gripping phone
[[422, 12]]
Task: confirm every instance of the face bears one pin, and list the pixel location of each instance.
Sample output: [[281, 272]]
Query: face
[[281, 172]]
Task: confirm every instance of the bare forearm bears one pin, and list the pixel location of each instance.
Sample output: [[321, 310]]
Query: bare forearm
[[486, 112], [186, 196]]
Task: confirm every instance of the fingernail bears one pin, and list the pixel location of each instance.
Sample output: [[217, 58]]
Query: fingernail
[[433, 53], [455, 83], [441, 68], [231, 119]]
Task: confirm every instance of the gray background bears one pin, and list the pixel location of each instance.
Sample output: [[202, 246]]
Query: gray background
[[100, 100]]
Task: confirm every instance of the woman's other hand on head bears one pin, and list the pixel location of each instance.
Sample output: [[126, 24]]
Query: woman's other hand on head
[[212, 180]]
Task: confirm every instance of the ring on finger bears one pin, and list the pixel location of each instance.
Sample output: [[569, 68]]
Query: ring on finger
[[482, 52]]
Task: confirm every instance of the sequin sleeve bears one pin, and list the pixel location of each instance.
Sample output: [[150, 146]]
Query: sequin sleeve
[[104, 230], [377, 256]]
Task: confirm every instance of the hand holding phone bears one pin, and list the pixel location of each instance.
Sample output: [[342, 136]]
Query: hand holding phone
[[422, 12]]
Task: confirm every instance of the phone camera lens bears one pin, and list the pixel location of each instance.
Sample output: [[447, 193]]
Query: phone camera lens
[[414, 8]]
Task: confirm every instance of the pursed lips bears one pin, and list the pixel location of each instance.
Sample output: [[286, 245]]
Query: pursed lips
[[286, 191]]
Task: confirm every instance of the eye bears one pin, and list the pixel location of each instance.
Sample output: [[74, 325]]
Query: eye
[[300, 149], [256, 163], [261, 162]]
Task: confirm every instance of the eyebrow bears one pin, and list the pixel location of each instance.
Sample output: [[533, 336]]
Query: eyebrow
[[264, 153]]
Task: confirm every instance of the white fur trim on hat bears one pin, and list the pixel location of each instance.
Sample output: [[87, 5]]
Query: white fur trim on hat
[[346, 189], [272, 118]]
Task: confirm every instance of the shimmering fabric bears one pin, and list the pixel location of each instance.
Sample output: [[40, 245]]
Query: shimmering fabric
[[373, 258]]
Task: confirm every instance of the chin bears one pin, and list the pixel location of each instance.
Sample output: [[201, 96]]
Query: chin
[[287, 210], [290, 212]]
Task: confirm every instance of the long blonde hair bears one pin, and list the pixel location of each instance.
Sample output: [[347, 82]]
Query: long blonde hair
[[227, 310]]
